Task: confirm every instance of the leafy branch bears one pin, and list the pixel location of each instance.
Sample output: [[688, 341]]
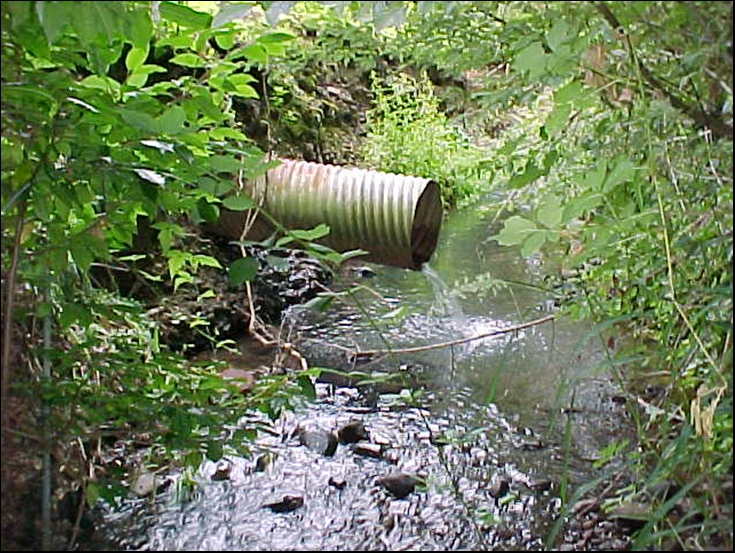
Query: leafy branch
[[703, 118]]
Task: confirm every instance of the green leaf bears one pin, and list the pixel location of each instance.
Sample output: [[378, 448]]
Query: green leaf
[[530, 174], [185, 16], [622, 171], [225, 164], [214, 450], [203, 99], [532, 59], [225, 40], [93, 493], [238, 203], [215, 187], [223, 133], [74, 313], [205, 260], [188, 60], [54, 16], [319, 231], [81, 254], [558, 35], [172, 121], [139, 27], [99, 19], [136, 57], [137, 79], [533, 242], [557, 119], [107, 84], [140, 120], [207, 211], [177, 260], [594, 179], [253, 52], [581, 204], [243, 270], [549, 212], [515, 231], [277, 37], [242, 88], [570, 92]]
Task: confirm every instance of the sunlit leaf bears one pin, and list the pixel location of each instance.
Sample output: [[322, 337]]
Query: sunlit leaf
[[276, 37], [151, 176], [162, 147], [549, 212], [515, 231], [188, 60], [136, 57], [319, 231]]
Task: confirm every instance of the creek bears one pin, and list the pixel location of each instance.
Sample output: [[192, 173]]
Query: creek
[[497, 429]]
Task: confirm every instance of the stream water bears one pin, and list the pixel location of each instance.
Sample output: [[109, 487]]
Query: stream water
[[495, 429]]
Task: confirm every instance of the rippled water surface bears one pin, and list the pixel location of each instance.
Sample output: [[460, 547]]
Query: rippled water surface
[[493, 428]]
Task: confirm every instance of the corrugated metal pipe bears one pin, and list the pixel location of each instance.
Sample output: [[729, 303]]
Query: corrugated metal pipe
[[396, 218]]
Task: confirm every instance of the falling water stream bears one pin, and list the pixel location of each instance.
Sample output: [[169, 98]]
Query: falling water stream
[[495, 428]]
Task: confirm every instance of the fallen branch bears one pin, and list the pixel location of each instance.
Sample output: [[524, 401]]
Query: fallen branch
[[362, 355]]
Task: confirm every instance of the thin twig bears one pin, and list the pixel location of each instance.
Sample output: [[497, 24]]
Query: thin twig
[[8, 304], [496, 332]]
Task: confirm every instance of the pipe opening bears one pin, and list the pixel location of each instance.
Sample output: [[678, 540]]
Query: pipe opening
[[427, 220]]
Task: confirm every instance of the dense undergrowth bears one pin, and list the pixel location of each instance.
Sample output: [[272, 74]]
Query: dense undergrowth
[[605, 127]]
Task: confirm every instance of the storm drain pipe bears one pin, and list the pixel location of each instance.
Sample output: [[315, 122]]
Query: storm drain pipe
[[396, 218]]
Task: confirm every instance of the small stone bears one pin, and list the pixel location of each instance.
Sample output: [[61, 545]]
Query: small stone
[[286, 505], [585, 505], [367, 449], [352, 432], [337, 482], [531, 445], [244, 380], [263, 462], [505, 532], [540, 484], [145, 484], [632, 514], [499, 487], [363, 272], [399, 484], [479, 457], [222, 472], [323, 442]]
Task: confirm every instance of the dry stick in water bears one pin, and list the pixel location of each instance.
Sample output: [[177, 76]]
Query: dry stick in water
[[359, 355]]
